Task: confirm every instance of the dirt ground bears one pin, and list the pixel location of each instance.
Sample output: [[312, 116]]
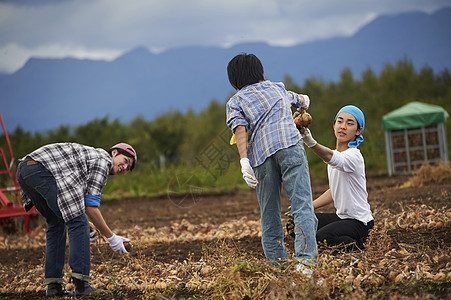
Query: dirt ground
[[182, 230]]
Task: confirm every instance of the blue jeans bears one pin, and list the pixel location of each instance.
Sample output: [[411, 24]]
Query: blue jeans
[[40, 185], [288, 167]]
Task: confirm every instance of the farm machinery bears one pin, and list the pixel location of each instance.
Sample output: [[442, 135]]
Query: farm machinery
[[12, 212]]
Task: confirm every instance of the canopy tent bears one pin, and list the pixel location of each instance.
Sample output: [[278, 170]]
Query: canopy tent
[[414, 115], [415, 133]]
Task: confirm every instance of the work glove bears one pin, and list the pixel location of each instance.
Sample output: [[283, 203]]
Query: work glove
[[117, 243], [290, 223], [307, 138], [248, 173], [291, 227], [93, 236]]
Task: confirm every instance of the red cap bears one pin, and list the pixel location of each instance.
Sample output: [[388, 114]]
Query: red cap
[[127, 148]]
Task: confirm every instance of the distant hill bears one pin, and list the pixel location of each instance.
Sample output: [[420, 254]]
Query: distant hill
[[47, 93]]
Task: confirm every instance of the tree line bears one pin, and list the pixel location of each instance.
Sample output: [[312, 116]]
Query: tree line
[[178, 138]]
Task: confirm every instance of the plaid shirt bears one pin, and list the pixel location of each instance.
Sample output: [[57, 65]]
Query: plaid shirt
[[78, 171], [264, 109]]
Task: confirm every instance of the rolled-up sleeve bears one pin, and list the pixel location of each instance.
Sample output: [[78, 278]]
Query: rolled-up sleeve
[[91, 200], [235, 116]]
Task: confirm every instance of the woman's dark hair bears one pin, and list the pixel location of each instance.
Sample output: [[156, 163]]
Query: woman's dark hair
[[120, 151], [244, 69]]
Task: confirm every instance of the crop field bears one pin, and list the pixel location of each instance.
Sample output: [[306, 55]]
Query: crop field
[[207, 246]]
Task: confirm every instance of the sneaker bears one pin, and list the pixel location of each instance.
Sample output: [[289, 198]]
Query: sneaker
[[56, 289], [361, 244], [307, 271]]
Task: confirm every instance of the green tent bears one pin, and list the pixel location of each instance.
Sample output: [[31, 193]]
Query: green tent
[[414, 115], [415, 133]]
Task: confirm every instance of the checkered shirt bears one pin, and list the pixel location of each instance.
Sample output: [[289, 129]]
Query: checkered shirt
[[78, 170], [264, 109]]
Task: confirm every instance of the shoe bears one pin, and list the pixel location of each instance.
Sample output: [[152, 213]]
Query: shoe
[[83, 288], [361, 244], [308, 272], [304, 270], [56, 289]]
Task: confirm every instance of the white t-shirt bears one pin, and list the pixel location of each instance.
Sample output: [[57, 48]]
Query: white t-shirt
[[347, 183]]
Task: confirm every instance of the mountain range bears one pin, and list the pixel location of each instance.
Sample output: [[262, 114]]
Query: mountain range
[[47, 93]]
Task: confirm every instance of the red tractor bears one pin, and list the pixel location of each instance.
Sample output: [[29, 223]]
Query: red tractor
[[12, 211]]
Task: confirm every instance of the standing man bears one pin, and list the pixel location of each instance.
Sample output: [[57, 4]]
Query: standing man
[[64, 182], [272, 155]]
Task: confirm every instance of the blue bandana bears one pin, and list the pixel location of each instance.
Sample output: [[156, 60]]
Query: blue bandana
[[358, 114]]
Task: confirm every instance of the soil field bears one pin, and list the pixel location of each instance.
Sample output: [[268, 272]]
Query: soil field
[[200, 246]]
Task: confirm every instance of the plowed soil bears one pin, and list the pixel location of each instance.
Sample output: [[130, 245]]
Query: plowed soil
[[208, 211]]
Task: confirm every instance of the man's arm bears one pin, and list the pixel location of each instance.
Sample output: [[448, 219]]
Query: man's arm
[[324, 199], [246, 169], [323, 152], [96, 217], [241, 140]]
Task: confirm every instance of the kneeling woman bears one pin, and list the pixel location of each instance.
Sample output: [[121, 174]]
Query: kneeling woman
[[350, 225]]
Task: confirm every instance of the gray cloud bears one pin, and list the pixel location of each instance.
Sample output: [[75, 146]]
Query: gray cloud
[[106, 28]]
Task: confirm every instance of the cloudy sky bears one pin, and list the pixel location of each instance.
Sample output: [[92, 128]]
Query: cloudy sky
[[104, 29]]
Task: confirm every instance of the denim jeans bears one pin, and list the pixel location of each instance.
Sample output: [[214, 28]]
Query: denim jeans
[[288, 167], [40, 185]]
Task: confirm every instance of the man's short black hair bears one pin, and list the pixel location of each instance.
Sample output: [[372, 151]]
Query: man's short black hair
[[245, 69]]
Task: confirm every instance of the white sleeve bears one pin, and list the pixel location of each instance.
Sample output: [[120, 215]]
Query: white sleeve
[[346, 161]]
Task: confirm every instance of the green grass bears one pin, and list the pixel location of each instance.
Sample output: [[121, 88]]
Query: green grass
[[151, 181], [148, 181]]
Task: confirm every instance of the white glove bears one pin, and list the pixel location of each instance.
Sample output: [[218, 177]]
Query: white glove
[[117, 243], [307, 138], [93, 236], [248, 173]]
